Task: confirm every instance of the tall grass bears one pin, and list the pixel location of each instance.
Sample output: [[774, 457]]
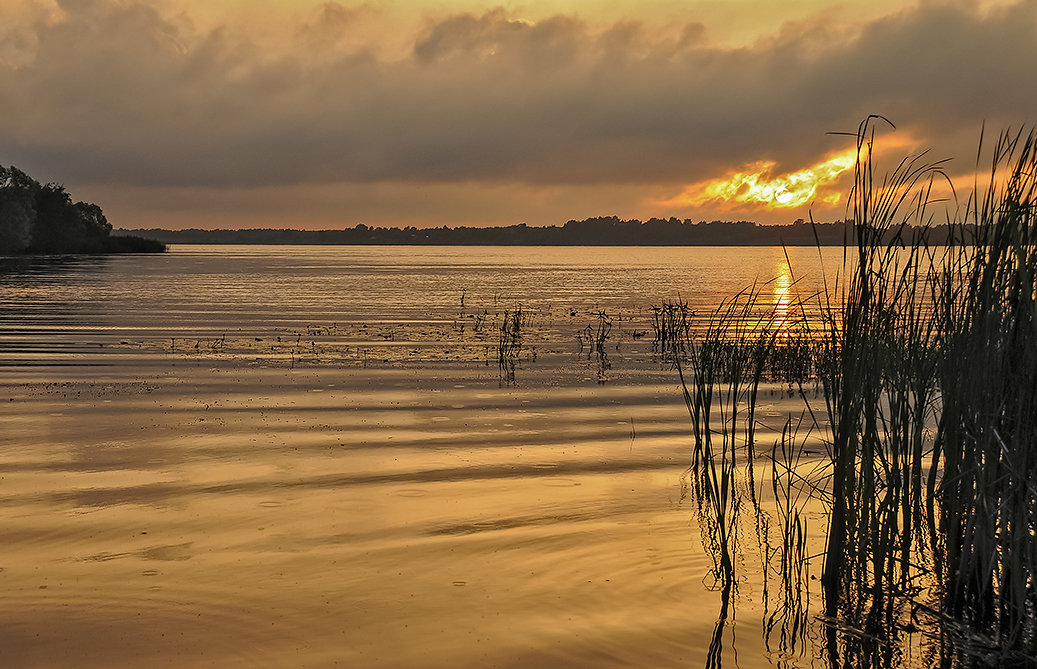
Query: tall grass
[[879, 390], [926, 353], [985, 511], [726, 366]]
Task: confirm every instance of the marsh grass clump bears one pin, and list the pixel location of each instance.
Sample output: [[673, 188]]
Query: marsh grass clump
[[600, 336], [985, 513], [593, 338], [602, 330], [926, 357], [509, 342], [932, 403], [793, 357], [671, 327], [726, 367]]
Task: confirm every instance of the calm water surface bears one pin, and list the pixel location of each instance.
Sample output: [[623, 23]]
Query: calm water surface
[[308, 456]]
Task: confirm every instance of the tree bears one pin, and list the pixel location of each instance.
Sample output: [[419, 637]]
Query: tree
[[95, 224], [43, 219], [59, 227], [17, 209]]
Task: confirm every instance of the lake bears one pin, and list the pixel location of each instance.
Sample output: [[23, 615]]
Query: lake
[[315, 456]]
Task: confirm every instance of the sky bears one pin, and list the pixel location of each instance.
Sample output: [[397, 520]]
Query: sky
[[311, 114]]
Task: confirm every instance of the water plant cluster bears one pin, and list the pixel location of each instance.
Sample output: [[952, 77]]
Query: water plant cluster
[[921, 505]]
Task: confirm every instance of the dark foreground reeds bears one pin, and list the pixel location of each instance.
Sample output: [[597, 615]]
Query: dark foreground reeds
[[926, 357]]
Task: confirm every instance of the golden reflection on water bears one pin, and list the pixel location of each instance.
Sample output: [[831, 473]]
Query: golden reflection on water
[[260, 502], [782, 297], [367, 517]]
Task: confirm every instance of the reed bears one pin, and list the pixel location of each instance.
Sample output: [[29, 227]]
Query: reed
[[934, 413], [602, 330], [878, 392], [726, 367], [926, 357], [985, 506], [786, 610], [671, 327], [509, 342]]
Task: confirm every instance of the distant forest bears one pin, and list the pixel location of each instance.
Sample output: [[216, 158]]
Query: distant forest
[[42, 218], [598, 231]]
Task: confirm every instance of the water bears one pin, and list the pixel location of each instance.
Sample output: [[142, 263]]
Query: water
[[309, 456]]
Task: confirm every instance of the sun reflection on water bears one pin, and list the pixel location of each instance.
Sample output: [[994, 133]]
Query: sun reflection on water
[[782, 298]]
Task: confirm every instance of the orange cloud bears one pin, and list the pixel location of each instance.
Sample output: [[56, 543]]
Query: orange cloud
[[756, 184]]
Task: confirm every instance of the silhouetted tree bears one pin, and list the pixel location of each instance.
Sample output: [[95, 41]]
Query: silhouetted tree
[[43, 219], [600, 231], [17, 209], [59, 228]]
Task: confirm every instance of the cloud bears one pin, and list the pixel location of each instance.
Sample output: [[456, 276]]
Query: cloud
[[330, 23], [119, 93]]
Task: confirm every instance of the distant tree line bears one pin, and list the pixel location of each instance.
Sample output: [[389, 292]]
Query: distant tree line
[[42, 218], [597, 231]]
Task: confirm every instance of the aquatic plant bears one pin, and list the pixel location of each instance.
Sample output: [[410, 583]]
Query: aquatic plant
[[603, 328], [934, 412], [927, 362], [593, 337], [671, 327], [726, 365], [509, 343]]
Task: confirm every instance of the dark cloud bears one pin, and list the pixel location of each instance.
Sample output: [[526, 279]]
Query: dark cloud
[[116, 93]]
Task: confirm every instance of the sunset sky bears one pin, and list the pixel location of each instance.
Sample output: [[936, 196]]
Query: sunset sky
[[308, 114]]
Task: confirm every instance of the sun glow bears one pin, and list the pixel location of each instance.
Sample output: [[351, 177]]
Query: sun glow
[[755, 184]]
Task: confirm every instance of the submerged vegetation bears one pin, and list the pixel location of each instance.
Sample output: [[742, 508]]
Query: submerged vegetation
[[925, 495], [42, 218]]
